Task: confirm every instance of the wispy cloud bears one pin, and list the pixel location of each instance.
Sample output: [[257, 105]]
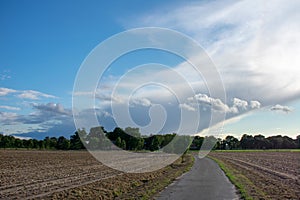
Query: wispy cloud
[[25, 94], [141, 101], [10, 108], [254, 44], [255, 49], [6, 91], [34, 95], [8, 118], [186, 107], [4, 75]]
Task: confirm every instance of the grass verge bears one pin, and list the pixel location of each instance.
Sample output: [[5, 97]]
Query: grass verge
[[259, 150], [241, 182]]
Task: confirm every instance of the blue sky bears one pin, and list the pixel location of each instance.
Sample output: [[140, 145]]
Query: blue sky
[[43, 44]]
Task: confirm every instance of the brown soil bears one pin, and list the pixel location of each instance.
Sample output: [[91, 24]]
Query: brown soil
[[76, 175], [265, 175]]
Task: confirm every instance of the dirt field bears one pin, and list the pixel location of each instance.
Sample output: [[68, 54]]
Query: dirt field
[[266, 175], [75, 175]]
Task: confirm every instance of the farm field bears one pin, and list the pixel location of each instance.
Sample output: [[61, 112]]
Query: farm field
[[75, 174], [263, 174]]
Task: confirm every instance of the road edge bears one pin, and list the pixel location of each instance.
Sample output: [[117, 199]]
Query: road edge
[[240, 187]]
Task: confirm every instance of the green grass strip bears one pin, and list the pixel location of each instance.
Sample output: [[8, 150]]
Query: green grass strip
[[258, 150], [237, 181]]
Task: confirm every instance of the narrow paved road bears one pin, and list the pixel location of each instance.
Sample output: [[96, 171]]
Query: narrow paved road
[[204, 181]]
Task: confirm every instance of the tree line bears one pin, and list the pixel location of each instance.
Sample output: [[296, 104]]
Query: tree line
[[132, 140], [49, 143], [249, 142]]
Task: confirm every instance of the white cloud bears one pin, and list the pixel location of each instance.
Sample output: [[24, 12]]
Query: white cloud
[[187, 107], [6, 91], [254, 44], [23, 138], [7, 116], [215, 104], [34, 95], [83, 93], [206, 101], [281, 108], [9, 107], [25, 94], [255, 104], [106, 114], [141, 101], [240, 104]]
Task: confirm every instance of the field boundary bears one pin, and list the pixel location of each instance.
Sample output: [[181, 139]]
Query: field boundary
[[233, 179]]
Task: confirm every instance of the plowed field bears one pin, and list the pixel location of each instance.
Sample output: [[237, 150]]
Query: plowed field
[[76, 175], [266, 175]]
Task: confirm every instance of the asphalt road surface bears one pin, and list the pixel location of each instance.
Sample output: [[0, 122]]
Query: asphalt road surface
[[204, 181]]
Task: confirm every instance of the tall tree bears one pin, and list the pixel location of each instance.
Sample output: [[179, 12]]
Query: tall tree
[[231, 142], [75, 140], [97, 139], [63, 143]]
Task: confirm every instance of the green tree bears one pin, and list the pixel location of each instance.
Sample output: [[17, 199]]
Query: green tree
[[231, 142], [63, 143], [75, 140], [219, 144], [18, 143], [30, 144], [119, 142], [35, 144], [97, 139], [155, 143], [134, 132], [53, 142], [41, 144], [123, 144], [166, 139], [7, 141], [247, 141], [197, 143], [47, 142], [260, 142]]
